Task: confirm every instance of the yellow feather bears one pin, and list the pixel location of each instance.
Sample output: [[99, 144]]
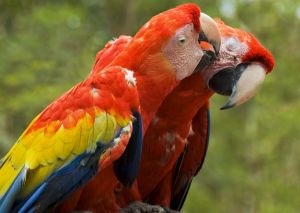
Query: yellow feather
[[50, 155], [105, 126], [64, 142], [83, 128], [122, 122], [44, 151]]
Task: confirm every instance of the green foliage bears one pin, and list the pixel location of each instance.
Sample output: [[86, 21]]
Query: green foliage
[[254, 156]]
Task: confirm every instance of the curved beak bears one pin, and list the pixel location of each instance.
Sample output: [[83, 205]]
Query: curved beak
[[209, 40], [210, 32], [240, 83]]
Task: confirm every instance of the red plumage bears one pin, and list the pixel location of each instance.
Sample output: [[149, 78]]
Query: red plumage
[[83, 99], [155, 79], [180, 126], [184, 115]]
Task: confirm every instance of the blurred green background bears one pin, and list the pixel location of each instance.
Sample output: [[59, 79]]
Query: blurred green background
[[253, 162]]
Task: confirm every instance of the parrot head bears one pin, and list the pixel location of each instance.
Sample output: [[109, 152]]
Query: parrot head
[[164, 51], [240, 68], [175, 34]]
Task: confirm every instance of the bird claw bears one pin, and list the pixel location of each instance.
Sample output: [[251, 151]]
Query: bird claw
[[140, 207]]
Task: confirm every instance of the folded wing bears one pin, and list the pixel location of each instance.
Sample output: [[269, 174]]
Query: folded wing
[[61, 148]]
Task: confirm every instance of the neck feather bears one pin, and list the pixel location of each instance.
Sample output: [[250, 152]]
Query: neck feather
[[155, 76]]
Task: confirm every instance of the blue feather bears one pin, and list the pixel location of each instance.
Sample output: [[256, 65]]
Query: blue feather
[[61, 183], [67, 179], [7, 201], [127, 166]]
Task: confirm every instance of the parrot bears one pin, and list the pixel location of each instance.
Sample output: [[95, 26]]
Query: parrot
[[99, 123], [209, 32], [251, 63], [176, 141]]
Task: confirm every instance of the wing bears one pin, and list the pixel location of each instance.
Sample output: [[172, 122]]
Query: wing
[[103, 58], [126, 167], [60, 149], [192, 159]]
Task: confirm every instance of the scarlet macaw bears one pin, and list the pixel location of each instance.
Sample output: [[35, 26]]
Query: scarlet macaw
[[60, 149], [176, 141]]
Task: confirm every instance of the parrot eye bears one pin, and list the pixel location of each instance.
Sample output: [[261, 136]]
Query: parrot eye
[[182, 39]]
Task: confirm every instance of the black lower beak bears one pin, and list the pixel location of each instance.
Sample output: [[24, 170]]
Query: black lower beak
[[207, 59], [225, 80]]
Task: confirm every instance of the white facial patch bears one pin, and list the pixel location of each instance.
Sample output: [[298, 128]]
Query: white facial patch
[[235, 46], [183, 51]]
